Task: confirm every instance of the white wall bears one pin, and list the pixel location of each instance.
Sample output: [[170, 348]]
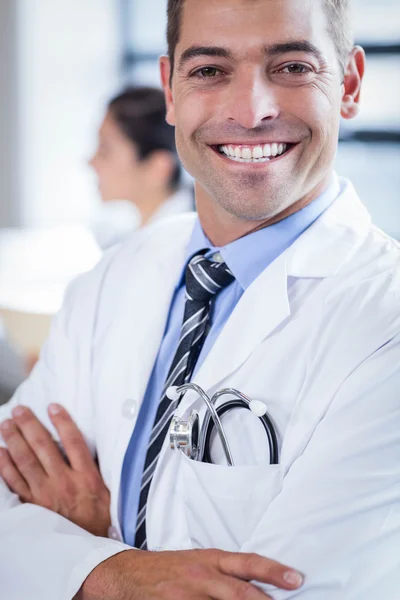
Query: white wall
[[374, 171], [68, 67]]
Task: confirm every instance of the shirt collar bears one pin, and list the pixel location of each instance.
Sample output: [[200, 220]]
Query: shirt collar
[[250, 255]]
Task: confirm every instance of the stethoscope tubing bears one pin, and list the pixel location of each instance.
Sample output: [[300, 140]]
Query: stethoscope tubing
[[205, 455]]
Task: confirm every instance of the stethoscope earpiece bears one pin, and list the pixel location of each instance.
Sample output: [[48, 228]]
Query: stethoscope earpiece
[[172, 393]]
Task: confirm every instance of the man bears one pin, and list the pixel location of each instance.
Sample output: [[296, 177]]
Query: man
[[305, 319]]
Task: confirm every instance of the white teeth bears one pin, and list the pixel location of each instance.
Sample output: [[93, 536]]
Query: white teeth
[[267, 150], [259, 153]]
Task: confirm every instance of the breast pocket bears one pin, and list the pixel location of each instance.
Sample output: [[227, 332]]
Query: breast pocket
[[223, 505]]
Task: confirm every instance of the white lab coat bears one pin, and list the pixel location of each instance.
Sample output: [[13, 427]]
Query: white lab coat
[[316, 336]]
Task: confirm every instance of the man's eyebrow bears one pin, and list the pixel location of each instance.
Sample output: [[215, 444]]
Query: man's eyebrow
[[273, 50], [196, 51], [294, 46]]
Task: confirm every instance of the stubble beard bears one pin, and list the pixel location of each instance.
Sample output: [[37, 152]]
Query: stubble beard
[[249, 196]]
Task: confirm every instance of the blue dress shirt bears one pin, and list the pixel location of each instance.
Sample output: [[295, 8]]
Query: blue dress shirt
[[246, 257]]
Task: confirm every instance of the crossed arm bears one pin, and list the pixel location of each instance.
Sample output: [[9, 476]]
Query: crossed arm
[[34, 467]]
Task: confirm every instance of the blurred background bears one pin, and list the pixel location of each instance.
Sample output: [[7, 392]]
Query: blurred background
[[60, 63]]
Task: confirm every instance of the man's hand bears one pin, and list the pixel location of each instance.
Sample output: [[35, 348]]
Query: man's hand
[[35, 469], [185, 575]]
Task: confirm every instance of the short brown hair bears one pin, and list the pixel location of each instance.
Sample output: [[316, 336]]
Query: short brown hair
[[338, 27]]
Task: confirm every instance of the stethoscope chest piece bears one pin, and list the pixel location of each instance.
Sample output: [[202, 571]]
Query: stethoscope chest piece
[[184, 435]]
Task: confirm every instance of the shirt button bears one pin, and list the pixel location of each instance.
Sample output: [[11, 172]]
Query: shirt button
[[113, 534], [129, 409], [217, 257]]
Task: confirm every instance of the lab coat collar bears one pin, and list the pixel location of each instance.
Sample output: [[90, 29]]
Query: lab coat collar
[[325, 246]]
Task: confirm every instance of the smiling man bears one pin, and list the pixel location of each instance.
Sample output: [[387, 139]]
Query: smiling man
[[257, 115], [280, 288]]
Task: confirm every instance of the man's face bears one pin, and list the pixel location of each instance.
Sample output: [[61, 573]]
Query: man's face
[[256, 99]]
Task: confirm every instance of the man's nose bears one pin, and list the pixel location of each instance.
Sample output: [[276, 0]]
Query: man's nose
[[251, 100]]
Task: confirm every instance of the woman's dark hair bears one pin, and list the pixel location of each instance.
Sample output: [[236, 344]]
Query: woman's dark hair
[[140, 113]]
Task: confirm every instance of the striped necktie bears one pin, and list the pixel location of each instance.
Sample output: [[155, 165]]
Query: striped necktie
[[204, 279]]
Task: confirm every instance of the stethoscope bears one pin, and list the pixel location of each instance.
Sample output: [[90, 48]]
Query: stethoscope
[[187, 436]]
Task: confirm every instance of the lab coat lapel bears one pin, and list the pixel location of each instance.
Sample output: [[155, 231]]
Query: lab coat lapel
[[261, 309], [139, 333], [151, 300], [140, 329]]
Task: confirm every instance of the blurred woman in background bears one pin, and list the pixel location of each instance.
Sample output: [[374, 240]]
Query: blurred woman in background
[[139, 178], [138, 170]]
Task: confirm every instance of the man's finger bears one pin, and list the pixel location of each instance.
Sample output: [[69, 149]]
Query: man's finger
[[231, 588], [39, 440], [72, 440], [255, 567], [22, 455], [13, 477]]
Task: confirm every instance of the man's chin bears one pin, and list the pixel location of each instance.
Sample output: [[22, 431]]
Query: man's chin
[[252, 208]]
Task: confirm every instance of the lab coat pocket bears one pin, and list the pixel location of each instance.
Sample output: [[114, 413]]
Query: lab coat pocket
[[223, 505]]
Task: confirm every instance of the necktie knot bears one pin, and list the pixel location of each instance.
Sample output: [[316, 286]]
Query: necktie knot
[[205, 278]]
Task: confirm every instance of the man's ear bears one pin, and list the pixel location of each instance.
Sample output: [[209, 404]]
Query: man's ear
[[352, 83], [165, 72]]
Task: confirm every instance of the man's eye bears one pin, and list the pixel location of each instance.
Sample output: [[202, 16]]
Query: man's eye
[[207, 72], [296, 69]]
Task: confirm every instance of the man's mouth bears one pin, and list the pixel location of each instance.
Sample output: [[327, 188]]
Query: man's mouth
[[257, 153]]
